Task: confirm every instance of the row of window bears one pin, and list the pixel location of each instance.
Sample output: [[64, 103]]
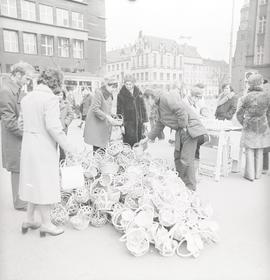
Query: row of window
[[28, 12], [117, 67], [11, 44], [262, 24], [169, 61], [259, 55], [145, 76]]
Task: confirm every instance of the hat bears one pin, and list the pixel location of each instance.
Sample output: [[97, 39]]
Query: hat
[[196, 91], [110, 80], [255, 80], [129, 78]]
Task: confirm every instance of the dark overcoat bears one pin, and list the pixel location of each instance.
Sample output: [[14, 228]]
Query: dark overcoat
[[254, 115], [132, 108], [227, 110], [10, 99]]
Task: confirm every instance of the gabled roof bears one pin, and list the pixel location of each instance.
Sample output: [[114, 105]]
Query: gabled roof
[[119, 55], [169, 45]]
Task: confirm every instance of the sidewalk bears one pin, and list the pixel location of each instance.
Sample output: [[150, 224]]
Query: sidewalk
[[240, 207]]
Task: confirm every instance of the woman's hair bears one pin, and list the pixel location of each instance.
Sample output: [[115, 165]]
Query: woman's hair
[[21, 67], [224, 85], [52, 78]]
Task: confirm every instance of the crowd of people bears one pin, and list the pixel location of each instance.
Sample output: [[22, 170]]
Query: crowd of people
[[34, 125]]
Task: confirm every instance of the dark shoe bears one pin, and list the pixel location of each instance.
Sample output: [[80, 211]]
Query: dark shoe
[[21, 209], [26, 226], [53, 232], [251, 180]]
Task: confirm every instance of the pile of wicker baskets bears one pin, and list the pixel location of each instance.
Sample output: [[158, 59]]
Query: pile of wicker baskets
[[143, 199]]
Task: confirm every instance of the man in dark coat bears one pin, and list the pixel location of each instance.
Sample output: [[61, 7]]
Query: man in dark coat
[[10, 98], [130, 104], [176, 114]]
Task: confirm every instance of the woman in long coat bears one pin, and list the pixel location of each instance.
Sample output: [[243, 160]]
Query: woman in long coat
[[254, 115], [130, 104], [98, 123], [226, 104], [42, 131]]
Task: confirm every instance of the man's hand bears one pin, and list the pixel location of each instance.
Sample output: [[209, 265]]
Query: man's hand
[[144, 141]]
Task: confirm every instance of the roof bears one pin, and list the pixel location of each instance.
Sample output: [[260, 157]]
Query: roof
[[119, 55], [154, 43], [215, 63], [170, 45]]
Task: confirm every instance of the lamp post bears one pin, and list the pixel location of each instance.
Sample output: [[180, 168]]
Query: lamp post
[[231, 43]]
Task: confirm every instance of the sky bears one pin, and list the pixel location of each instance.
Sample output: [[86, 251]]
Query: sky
[[207, 22]]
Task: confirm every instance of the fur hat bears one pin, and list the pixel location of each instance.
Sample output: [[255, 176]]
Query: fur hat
[[255, 80]]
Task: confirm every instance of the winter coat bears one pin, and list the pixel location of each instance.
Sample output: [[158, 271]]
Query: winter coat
[[176, 114], [227, 109], [97, 130], [42, 131], [132, 108], [10, 99], [254, 115]]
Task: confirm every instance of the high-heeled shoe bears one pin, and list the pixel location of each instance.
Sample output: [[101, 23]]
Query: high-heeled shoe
[[27, 225], [54, 232]]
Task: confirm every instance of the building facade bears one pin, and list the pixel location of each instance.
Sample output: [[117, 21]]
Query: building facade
[[67, 34], [255, 45], [239, 59], [156, 63]]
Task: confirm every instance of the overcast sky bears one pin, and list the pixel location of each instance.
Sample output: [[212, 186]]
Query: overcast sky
[[207, 22]]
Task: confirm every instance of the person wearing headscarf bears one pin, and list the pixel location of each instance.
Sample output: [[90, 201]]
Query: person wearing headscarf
[[131, 105], [226, 103], [254, 115], [99, 120]]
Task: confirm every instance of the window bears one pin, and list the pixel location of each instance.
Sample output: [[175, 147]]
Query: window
[[146, 60], [174, 61], [142, 76], [63, 47], [122, 66], [62, 17], [29, 43], [9, 8], [168, 76], [77, 20], [146, 76], [259, 55], [161, 76], [113, 67], [28, 10], [161, 60], [127, 65], [46, 45], [46, 14], [117, 66], [155, 59], [11, 41], [180, 61], [137, 76], [262, 24], [262, 2], [142, 60], [174, 76], [138, 60], [168, 61], [78, 49], [109, 68], [155, 75]]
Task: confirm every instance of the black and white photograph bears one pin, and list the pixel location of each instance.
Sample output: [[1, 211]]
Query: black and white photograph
[[134, 139]]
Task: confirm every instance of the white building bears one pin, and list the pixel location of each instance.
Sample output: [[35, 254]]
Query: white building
[[158, 62]]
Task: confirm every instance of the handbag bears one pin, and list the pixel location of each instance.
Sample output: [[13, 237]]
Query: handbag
[[72, 177]]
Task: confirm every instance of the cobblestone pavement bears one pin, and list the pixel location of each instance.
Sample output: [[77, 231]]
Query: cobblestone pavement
[[240, 207]]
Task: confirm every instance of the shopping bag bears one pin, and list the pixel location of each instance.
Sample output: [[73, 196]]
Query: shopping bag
[[72, 177]]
